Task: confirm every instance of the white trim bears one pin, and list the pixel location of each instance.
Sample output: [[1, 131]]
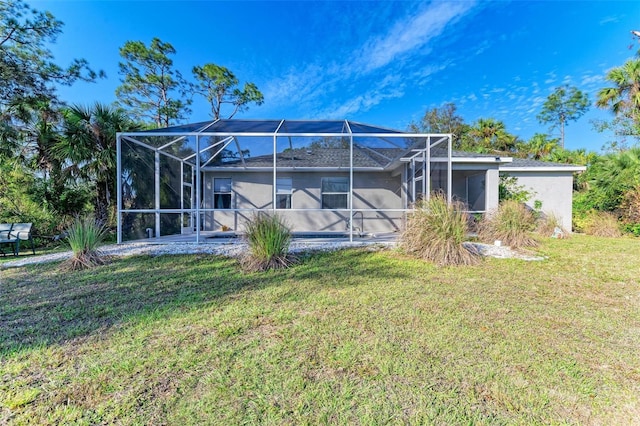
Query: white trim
[[543, 169], [480, 160]]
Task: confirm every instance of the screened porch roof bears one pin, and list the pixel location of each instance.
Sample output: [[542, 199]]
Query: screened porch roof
[[251, 144], [274, 127]]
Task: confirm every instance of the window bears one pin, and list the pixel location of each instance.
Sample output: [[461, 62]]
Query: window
[[284, 189], [335, 192], [221, 193]]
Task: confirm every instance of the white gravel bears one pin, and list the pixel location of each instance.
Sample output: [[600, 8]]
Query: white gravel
[[237, 248], [233, 249], [501, 252]]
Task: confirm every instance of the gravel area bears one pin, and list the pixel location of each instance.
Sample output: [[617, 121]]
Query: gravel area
[[501, 252], [237, 248], [233, 249]]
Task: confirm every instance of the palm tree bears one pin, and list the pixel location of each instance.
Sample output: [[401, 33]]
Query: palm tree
[[613, 175], [579, 156], [540, 146], [624, 97], [490, 135], [88, 146]]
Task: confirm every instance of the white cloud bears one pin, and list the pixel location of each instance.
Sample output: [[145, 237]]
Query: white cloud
[[362, 102], [412, 34], [483, 46], [381, 64], [293, 86], [591, 80], [552, 77], [609, 20]]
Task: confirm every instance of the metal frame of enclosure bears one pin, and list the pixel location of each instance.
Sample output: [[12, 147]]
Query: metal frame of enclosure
[[160, 172]]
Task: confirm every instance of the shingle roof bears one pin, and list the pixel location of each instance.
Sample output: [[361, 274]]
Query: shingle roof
[[373, 158], [525, 162], [323, 157]]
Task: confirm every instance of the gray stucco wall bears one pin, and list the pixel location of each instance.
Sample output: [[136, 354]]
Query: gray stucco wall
[[476, 186], [253, 190], [553, 188]]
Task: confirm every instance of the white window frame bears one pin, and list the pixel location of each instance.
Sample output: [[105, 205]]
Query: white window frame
[[284, 188], [230, 193], [345, 193]]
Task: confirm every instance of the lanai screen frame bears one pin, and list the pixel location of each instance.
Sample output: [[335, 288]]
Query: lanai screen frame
[[416, 158]]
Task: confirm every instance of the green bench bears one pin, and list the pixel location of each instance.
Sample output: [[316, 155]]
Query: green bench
[[12, 234]]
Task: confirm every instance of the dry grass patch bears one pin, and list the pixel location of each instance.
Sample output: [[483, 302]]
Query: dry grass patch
[[436, 231], [601, 224], [512, 223]]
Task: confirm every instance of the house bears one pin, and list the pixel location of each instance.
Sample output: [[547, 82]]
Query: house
[[322, 177]]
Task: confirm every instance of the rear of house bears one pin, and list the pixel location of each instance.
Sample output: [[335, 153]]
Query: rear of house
[[324, 177]]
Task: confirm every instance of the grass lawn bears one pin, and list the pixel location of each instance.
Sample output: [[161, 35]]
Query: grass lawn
[[350, 337]]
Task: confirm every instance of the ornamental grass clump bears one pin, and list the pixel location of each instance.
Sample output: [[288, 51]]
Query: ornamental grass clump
[[84, 237], [268, 238], [601, 224], [436, 231], [512, 224]]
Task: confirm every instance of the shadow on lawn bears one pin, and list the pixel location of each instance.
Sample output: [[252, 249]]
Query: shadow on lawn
[[41, 305]]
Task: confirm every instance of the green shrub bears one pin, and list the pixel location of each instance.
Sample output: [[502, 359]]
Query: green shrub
[[632, 228], [601, 224], [508, 189], [512, 223], [436, 231], [84, 237], [268, 238]]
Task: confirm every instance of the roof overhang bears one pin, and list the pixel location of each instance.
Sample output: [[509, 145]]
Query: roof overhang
[[473, 160], [571, 169]]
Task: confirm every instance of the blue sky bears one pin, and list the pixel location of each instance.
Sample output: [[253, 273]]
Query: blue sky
[[383, 63]]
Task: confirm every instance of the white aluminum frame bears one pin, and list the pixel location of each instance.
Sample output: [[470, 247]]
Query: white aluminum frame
[[422, 156]]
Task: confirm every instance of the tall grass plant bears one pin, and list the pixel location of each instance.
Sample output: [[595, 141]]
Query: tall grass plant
[[512, 223], [84, 237], [268, 237], [601, 224], [436, 231]]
